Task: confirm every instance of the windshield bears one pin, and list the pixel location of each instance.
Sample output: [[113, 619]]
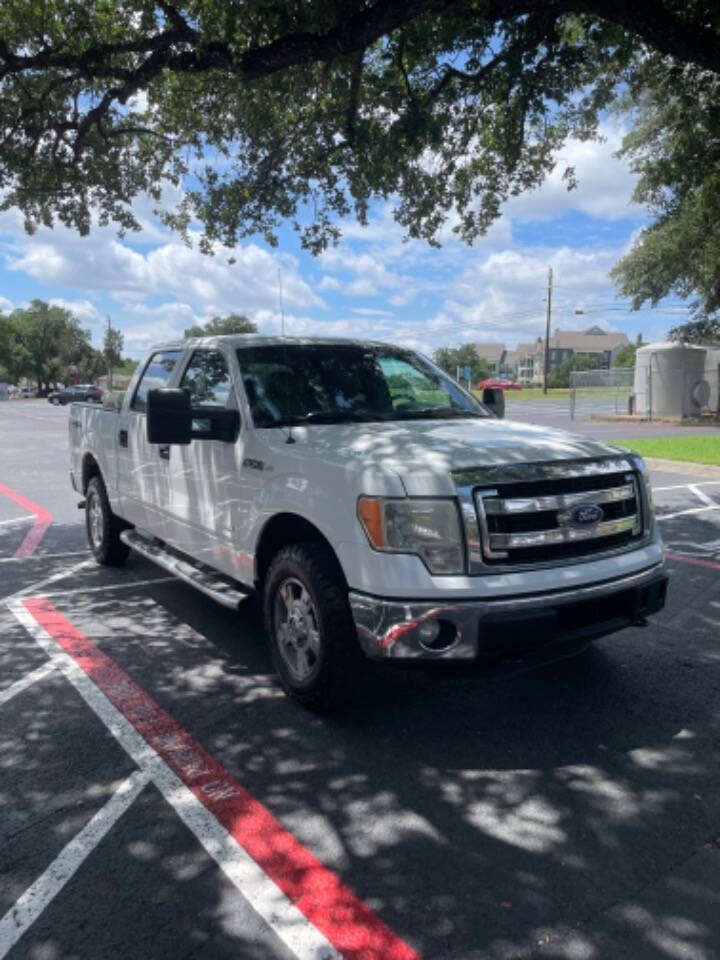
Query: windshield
[[333, 383]]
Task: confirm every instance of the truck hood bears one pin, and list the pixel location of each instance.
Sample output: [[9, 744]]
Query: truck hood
[[424, 453]]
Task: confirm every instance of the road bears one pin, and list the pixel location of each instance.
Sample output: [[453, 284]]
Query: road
[[555, 413], [161, 798]]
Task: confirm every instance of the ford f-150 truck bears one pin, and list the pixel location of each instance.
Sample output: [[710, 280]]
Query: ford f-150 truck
[[376, 506]]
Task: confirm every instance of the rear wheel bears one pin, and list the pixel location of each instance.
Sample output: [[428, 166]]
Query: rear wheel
[[103, 527], [310, 628]]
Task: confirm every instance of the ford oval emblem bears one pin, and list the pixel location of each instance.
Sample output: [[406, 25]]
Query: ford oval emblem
[[587, 513]]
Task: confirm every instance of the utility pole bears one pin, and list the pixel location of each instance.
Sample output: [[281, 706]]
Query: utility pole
[[548, 314]]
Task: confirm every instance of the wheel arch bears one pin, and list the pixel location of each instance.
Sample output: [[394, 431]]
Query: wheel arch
[[282, 530], [90, 469]]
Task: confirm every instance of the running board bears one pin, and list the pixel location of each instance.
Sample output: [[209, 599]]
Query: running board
[[198, 575]]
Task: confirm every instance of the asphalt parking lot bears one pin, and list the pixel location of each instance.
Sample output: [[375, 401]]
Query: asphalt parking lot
[[161, 797]]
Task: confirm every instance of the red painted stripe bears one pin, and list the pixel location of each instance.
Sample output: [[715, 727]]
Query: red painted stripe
[[351, 926], [693, 561], [43, 519]]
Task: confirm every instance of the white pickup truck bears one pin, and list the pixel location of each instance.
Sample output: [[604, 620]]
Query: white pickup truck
[[376, 506]]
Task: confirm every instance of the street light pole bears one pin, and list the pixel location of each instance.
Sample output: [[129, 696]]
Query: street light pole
[[548, 314]]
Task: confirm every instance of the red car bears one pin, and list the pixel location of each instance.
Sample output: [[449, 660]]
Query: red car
[[499, 385]]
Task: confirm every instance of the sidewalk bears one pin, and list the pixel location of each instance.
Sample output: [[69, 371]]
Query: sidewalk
[[683, 466]]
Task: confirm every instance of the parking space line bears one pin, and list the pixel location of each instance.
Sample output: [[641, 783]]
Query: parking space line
[[47, 886], [109, 587], [684, 513], [27, 681], [44, 556], [43, 519], [301, 900], [16, 520], [682, 486], [39, 585], [693, 561], [701, 495]]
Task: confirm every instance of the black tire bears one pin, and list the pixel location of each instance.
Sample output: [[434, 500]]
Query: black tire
[[102, 527], [318, 676]]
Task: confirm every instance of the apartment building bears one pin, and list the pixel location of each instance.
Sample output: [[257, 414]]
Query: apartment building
[[525, 362]]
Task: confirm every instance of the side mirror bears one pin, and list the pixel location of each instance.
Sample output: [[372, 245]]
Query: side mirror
[[494, 400], [169, 416], [209, 424]]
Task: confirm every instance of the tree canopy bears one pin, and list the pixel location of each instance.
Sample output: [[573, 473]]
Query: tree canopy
[[675, 148], [625, 357], [42, 342], [219, 326], [450, 358], [560, 375], [262, 111]]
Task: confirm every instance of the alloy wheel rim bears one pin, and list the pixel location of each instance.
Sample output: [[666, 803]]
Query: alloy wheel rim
[[296, 629], [95, 520]]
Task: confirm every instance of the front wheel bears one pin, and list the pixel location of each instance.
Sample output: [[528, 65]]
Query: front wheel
[[103, 528], [310, 628]]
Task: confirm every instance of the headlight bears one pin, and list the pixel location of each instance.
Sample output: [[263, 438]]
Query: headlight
[[428, 528]]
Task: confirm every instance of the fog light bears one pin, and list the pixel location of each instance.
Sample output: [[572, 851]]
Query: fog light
[[437, 635], [429, 632]]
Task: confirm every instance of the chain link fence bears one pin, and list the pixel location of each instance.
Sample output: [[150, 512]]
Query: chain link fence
[[652, 391], [594, 392]]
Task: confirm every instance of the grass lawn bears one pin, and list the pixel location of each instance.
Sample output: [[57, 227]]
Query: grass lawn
[[703, 449]]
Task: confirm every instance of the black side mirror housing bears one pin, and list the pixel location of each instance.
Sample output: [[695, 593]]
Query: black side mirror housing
[[210, 424], [172, 419], [169, 416], [494, 399]]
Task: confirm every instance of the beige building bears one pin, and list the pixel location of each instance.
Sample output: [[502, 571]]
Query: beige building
[[494, 353], [525, 363], [604, 345]]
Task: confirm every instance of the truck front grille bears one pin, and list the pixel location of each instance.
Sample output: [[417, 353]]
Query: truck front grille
[[596, 507]]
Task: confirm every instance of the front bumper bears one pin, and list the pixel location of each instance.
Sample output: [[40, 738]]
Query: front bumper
[[492, 629]]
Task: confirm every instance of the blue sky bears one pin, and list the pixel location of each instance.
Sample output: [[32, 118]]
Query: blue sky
[[372, 285]]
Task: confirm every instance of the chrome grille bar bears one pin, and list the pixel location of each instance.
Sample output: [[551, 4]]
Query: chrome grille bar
[[560, 502], [541, 538], [525, 516]]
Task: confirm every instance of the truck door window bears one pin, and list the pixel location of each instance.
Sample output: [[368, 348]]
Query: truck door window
[[156, 374], [208, 379]]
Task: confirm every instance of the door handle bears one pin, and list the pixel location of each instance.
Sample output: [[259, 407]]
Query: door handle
[[164, 452], [123, 438]]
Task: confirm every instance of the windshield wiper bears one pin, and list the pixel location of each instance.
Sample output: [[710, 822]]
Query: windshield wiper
[[437, 413], [332, 416]]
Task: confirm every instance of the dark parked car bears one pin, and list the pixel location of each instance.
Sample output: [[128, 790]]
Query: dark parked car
[[78, 391]]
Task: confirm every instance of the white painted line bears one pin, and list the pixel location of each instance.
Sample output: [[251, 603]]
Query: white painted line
[[36, 587], [44, 556], [10, 523], [27, 681], [701, 495], [47, 886], [684, 513], [287, 922], [109, 586], [683, 486]]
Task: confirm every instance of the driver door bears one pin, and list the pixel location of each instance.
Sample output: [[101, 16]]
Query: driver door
[[206, 495]]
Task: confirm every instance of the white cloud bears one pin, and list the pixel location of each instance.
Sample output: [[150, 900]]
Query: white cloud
[[605, 183], [242, 279], [501, 297], [6, 304], [84, 310]]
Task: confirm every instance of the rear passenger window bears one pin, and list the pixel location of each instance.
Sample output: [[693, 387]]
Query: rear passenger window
[[157, 374], [208, 378]]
